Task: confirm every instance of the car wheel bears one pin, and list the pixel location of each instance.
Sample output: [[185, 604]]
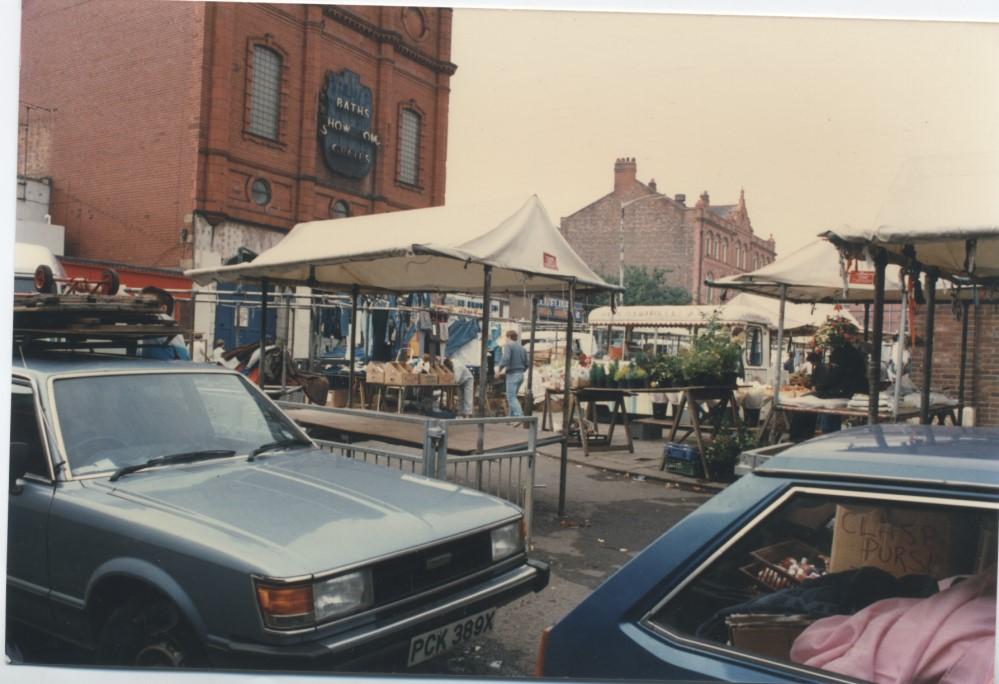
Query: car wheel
[[148, 632]]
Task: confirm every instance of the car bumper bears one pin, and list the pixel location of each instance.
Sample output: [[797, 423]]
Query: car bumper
[[381, 639]]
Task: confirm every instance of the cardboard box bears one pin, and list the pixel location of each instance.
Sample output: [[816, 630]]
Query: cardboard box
[[374, 372], [397, 373], [902, 541], [428, 378], [337, 398], [766, 635], [444, 376]]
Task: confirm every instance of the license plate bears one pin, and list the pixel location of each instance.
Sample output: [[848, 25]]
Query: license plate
[[430, 644]]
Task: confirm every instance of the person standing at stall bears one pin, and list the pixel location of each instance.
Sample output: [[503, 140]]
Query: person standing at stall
[[465, 382], [513, 364]]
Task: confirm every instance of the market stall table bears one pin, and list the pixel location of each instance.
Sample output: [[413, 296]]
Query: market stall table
[[382, 389], [590, 396], [461, 439], [778, 422]]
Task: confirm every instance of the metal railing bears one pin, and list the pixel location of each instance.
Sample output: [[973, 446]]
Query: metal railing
[[504, 473]]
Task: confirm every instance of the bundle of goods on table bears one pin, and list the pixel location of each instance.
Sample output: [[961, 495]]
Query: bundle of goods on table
[[888, 575], [791, 397], [398, 373]]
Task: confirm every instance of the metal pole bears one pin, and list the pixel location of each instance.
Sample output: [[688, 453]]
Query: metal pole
[[874, 363], [530, 364], [263, 331], [284, 354], [620, 268], [965, 310], [867, 319], [900, 349], [931, 307], [780, 346], [487, 286], [566, 391], [354, 292]]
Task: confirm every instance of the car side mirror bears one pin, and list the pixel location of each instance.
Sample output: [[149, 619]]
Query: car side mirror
[[18, 465]]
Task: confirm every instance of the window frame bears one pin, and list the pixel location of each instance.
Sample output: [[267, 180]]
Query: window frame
[[749, 348], [282, 93], [675, 638], [29, 383], [334, 204], [421, 118], [270, 191]]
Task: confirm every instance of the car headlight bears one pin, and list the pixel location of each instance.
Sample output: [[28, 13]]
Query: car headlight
[[294, 606], [508, 540], [342, 595]]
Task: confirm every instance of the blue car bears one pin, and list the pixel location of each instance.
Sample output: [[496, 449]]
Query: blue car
[[864, 555]]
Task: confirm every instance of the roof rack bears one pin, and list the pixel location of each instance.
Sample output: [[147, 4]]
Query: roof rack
[[90, 318]]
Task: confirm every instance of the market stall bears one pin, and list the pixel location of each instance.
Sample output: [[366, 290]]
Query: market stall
[[483, 248], [941, 221]]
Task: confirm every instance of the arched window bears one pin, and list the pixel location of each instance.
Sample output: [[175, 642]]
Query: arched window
[[410, 123], [707, 244], [339, 209], [725, 250], [265, 96]]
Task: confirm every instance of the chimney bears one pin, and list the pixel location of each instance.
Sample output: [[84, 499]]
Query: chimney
[[625, 170], [680, 199], [704, 201], [652, 185]]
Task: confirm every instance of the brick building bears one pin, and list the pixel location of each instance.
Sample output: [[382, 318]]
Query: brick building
[[693, 243], [176, 133]]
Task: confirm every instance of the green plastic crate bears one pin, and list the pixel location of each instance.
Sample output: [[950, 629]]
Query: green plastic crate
[[683, 467]]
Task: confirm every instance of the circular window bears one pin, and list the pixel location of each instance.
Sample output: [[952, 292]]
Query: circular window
[[260, 192], [339, 209], [415, 22]]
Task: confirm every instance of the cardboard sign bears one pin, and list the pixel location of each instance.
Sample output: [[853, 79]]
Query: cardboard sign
[[902, 541], [861, 277]]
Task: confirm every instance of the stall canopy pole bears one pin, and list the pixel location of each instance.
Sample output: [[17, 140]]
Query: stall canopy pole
[[354, 291], [530, 361], [566, 393], [931, 307], [965, 310], [263, 331], [867, 320], [487, 288], [780, 345], [874, 362], [900, 349]]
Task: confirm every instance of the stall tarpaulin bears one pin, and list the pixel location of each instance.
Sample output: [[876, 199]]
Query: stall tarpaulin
[[946, 209], [812, 273], [423, 250]]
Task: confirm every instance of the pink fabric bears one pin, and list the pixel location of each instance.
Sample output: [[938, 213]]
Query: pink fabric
[[948, 638]]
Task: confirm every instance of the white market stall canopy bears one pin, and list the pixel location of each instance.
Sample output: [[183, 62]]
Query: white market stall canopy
[[812, 273], [947, 209], [439, 249], [743, 309]]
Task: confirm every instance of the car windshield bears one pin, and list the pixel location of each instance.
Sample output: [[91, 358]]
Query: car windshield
[[111, 421]]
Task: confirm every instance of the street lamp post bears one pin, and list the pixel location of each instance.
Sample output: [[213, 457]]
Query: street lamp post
[[620, 274]]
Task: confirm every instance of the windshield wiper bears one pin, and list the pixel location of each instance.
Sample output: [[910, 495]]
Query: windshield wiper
[[281, 443], [170, 459]]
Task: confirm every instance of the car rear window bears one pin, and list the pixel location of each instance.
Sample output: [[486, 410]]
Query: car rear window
[[837, 583]]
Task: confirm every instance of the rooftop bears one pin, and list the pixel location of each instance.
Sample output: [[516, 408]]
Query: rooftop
[[942, 455]]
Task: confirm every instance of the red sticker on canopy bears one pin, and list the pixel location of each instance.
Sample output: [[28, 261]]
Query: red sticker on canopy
[[550, 261], [861, 277]]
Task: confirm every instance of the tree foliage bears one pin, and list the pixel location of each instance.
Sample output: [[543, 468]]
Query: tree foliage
[[645, 287]]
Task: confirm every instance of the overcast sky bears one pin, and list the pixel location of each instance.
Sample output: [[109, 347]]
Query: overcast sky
[[813, 117]]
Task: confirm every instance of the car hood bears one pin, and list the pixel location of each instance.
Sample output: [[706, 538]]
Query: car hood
[[304, 512]]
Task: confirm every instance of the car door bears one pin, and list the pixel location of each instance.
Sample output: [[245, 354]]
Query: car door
[[28, 511]]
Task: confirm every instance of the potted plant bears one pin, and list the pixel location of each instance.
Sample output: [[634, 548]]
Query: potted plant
[[641, 378], [712, 358], [597, 377], [621, 376], [665, 371], [612, 370], [722, 453]]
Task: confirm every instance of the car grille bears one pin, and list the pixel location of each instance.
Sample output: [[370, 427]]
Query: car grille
[[397, 578]]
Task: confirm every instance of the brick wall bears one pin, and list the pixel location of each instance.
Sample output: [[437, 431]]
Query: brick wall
[[122, 78], [982, 373]]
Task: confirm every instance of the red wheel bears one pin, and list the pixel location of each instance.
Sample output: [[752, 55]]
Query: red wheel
[[109, 282], [45, 280]]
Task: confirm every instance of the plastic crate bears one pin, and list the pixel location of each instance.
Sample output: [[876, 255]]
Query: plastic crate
[[681, 452], [681, 466]]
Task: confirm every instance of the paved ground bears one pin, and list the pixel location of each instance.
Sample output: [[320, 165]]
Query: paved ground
[[610, 518]]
